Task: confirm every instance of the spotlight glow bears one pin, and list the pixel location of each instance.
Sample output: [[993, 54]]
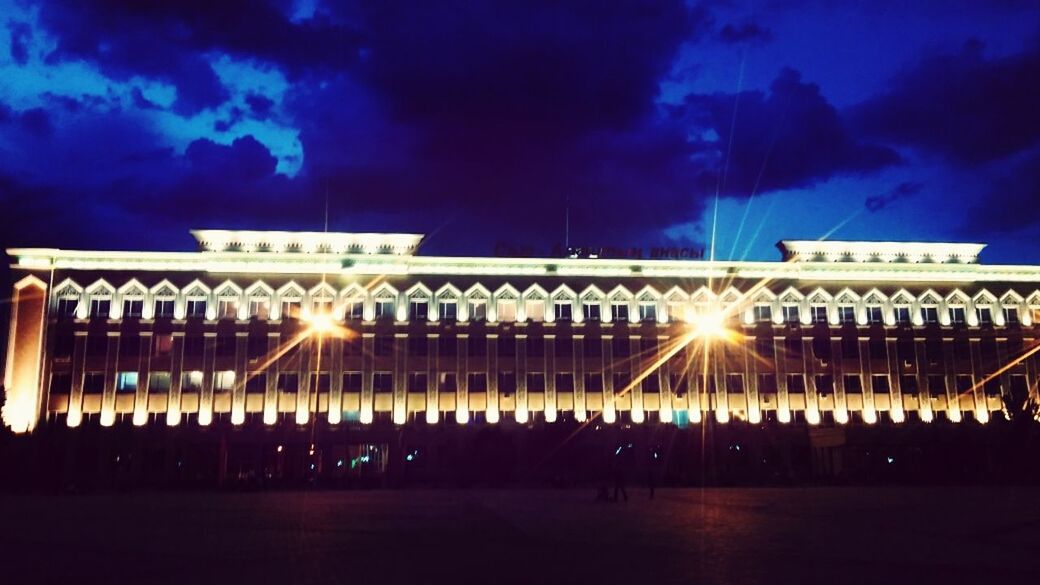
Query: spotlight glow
[[710, 324], [321, 324]]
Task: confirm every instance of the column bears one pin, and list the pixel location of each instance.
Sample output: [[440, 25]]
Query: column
[[491, 409], [433, 371], [924, 391], [717, 366], [273, 370], [79, 352], [400, 402], [895, 387], [783, 397], [238, 391], [841, 405], [209, 351], [550, 378], [578, 367], [335, 406], [367, 373], [303, 392], [108, 398], [977, 376], [953, 400], [869, 408], [462, 377], [25, 350], [812, 397], [521, 378], [173, 404], [144, 379], [609, 409], [636, 366]]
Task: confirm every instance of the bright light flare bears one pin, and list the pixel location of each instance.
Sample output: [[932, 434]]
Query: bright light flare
[[321, 324], [711, 324]]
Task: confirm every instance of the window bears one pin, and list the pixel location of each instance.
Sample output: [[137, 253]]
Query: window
[[163, 343], [256, 346], [290, 308], [448, 347], [846, 314], [321, 306], [159, 382], [590, 311], [354, 309], [383, 382], [562, 310], [191, 381], [256, 384], [535, 310], [447, 382], [352, 381], [384, 345], [449, 311], [384, 309], [224, 380], [564, 347], [535, 382], [592, 346], [507, 345], [735, 383], [908, 384], [984, 316], [1011, 315], [132, 308], [100, 306], [418, 345], [478, 310], [936, 385], [824, 385], [506, 310], [195, 308], [930, 314], [791, 314], [227, 308], [126, 382], [853, 384], [902, 315], [61, 384], [321, 381], [849, 347], [621, 347], [594, 382], [680, 384], [676, 312], [163, 309], [793, 346], [226, 345], [535, 346], [477, 381], [478, 345], [67, 307], [957, 316], [764, 346], [647, 312], [288, 382], [419, 309], [93, 382], [506, 383], [879, 384], [795, 383], [619, 311], [417, 382], [259, 308], [621, 382], [193, 345], [819, 313], [652, 384], [874, 315], [763, 313]]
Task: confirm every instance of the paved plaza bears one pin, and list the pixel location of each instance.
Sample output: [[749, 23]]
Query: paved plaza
[[806, 535]]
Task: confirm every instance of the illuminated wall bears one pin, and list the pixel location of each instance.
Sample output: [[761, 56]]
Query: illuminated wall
[[24, 352]]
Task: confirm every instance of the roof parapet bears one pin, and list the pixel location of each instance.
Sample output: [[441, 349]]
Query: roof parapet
[[892, 252], [307, 242]]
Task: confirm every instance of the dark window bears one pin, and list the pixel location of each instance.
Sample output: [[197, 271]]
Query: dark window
[[680, 384], [849, 347], [100, 307], [735, 383], [417, 382], [447, 382], [418, 310], [132, 308], [764, 346], [195, 309], [824, 385], [879, 384], [821, 347], [562, 310], [94, 382], [594, 382], [448, 311], [564, 347], [478, 345], [621, 382], [447, 346], [352, 381], [1011, 315], [793, 347], [288, 382], [1018, 390], [164, 309], [878, 350], [64, 343], [225, 345], [592, 346], [795, 384], [321, 382], [992, 387], [383, 382], [767, 383], [963, 384], [652, 384], [417, 345], [906, 351], [159, 382], [507, 345], [506, 383], [61, 383], [130, 345], [257, 346], [66, 307], [536, 382], [256, 383], [384, 345], [985, 316], [937, 385], [590, 311], [933, 347], [621, 346], [853, 384], [535, 346], [908, 384], [648, 346], [97, 345], [477, 381]]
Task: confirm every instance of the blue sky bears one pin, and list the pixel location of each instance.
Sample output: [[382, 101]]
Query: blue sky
[[123, 124]]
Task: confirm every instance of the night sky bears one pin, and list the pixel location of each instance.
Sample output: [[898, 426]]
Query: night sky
[[125, 123]]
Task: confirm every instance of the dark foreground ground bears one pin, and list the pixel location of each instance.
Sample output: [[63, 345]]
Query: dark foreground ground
[[807, 535]]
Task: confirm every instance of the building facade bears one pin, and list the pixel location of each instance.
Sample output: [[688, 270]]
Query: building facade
[[299, 329]]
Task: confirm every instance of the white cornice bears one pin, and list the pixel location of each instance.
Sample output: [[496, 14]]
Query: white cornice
[[306, 242], [895, 252]]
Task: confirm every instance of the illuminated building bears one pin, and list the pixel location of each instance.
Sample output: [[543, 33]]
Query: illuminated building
[[295, 329]]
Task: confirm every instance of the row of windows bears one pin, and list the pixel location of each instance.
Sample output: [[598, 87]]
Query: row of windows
[[902, 315], [128, 382]]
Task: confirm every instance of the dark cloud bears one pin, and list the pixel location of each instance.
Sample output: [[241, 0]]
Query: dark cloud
[[141, 102], [747, 32], [21, 35], [965, 107], [789, 137], [260, 106], [901, 191], [1011, 203], [34, 121]]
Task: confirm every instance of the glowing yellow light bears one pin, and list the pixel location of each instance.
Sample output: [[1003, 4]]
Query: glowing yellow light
[[637, 416], [321, 323], [982, 415], [783, 415], [722, 415], [710, 324], [897, 415], [812, 416]]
